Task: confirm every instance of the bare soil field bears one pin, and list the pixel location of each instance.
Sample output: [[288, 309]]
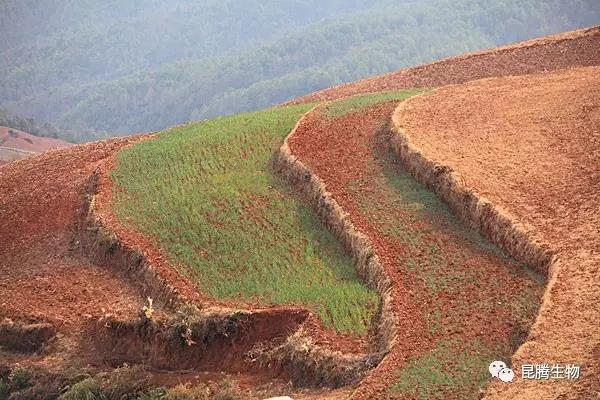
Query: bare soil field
[[444, 277], [531, 146], [550, 53], [43, 279], [16, 144], [20, 140]]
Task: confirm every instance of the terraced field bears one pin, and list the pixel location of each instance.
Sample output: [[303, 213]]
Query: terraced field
[[205, 192], [530, 146], [461, 301], [226, 240]]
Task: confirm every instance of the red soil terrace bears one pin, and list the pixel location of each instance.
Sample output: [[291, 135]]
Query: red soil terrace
[[44, 278], [531, 145], [349, 152], [48, 275]]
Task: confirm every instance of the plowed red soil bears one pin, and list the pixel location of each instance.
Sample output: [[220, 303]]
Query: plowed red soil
[[42, 277], [351, 155], [547, 176], [531, 145], [565, 50]]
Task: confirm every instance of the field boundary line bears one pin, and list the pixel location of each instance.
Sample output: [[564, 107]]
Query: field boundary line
[[494, 222]]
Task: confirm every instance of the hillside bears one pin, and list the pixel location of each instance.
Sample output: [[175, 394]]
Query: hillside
[[117, 74], [44, 129], [20, 140], [444, 276], [295, 261], [16, 144], [382, 245]]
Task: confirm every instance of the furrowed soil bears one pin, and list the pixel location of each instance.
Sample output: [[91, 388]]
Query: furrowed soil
[[531, 145], [460, 302], [570, 49]]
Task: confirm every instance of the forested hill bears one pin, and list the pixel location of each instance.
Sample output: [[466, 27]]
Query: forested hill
[[139, 65]]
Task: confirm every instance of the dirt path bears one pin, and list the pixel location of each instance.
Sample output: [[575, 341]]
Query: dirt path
[[531, 145], [446, 278]]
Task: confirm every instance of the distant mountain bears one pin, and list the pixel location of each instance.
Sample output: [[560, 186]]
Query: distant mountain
[[138, 65]]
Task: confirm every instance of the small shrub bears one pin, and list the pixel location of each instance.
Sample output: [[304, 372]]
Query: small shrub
[[88, 389], [154, 394], [125, 382], [19, 378], [4, 390], [224, 390], [185, 392]]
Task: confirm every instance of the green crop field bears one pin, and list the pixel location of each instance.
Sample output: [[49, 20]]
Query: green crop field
[[205, 193]]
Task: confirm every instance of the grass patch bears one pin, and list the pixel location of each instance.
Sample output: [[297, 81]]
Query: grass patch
[[205, 193], [442, 371], [360, 102]]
